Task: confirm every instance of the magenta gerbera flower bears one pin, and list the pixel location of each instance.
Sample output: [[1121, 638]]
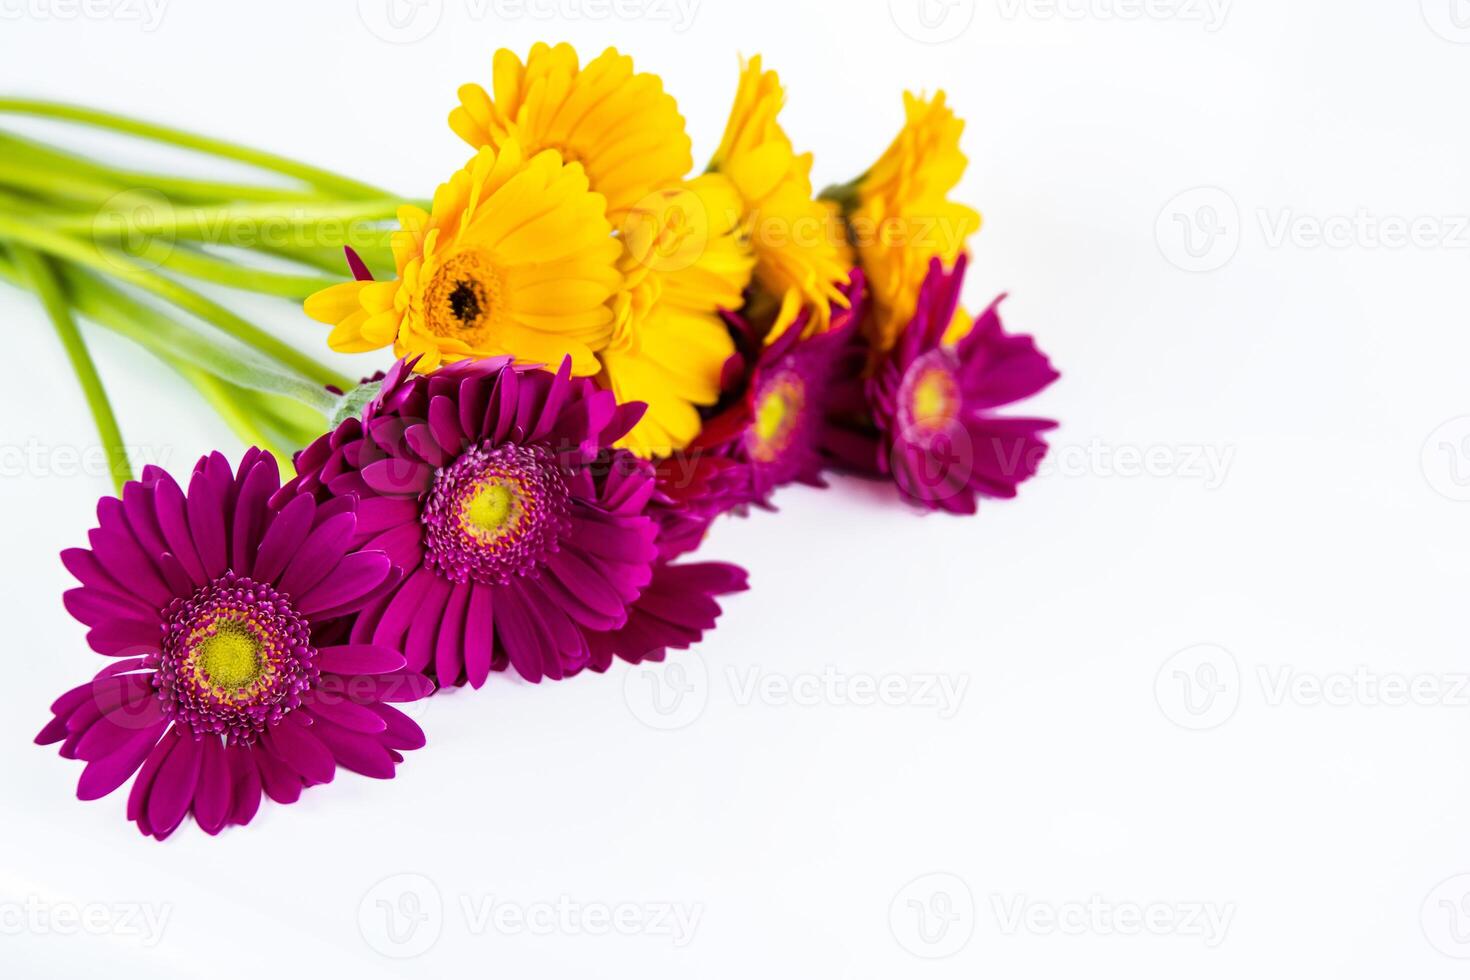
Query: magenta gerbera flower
[[928, 405], [773, 424], [218, 605], [523, 536]]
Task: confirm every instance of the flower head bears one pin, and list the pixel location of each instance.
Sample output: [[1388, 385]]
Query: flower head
[[799, 245], [230, 676], [620, 125], [930, 401], [774, 425], [520, 531], [684, 262], [516, 258], [901, 217]]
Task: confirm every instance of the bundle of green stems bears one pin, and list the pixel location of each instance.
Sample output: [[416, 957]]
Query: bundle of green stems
[[127, 251]]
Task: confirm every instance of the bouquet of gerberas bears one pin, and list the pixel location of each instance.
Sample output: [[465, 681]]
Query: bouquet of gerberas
[[597, 356]]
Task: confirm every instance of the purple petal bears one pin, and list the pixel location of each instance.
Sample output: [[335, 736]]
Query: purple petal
[[289, 528], [205, 510], [212, 801], [479, 635], [173, 788], [105, 774], [294, 745], [359, 658], [321, 552], [354, 578]]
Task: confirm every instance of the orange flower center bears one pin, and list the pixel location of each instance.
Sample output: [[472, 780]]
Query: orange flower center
[[463, 299]]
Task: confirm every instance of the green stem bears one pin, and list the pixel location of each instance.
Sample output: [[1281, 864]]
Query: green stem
[[210, 268], [42, 277], [297, 418], [128, 270], [240, 422], [324, 179], [55, 183], [169, 340], [166, 338], [200, 191], [844, 195], [245, 225], [378, 257], [288, 423]]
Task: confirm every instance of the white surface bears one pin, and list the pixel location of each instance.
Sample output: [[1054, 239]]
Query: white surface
[[1318, 830]]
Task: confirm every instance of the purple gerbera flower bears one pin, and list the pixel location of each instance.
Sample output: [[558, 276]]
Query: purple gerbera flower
[[768, 429], [218, 605], [924, 415], [773, 427], [523, 536]]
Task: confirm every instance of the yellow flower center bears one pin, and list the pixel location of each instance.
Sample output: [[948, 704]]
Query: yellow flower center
[[936, 397], [230, 659], [490, 509], [463, 298], [777, 412]]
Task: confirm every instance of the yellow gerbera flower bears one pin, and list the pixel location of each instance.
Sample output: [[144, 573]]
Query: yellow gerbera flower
[[517, 257], [797, 240], [684, 260], [901, 216], [622, 127]]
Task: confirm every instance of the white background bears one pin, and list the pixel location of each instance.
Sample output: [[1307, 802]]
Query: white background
[[815, 836]]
